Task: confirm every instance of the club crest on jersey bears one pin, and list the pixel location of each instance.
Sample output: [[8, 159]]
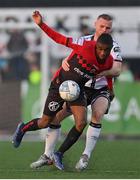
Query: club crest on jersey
[[53, 106]]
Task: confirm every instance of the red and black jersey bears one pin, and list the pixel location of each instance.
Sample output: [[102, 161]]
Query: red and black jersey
[[83, 62]]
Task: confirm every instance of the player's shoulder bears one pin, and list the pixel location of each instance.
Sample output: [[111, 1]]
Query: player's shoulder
[[81, 40], [116, 46], [116, 51], [88, 37]]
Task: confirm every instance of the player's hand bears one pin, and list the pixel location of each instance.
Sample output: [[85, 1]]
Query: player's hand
[[65, 64], [101, 74], [98, 75], [37, 17]]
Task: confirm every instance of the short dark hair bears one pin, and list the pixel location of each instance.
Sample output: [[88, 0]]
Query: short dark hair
[[105, 38], [106, 17]]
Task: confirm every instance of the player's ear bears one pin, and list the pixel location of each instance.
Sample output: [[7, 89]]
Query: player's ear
[[95, 24]]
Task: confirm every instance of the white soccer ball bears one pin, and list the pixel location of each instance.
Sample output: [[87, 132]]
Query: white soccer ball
[[69, 90]]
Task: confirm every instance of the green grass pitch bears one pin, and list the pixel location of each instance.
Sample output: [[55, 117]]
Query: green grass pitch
[[111, 160]]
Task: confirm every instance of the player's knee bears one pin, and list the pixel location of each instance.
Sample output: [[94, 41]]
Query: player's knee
[[43, 122], [98, 115]]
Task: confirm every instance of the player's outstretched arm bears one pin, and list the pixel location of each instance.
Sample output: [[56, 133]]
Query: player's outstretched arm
[[113, 72], [56, 36]]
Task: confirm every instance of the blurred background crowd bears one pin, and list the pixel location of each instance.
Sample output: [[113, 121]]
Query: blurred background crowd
[[20, 49]]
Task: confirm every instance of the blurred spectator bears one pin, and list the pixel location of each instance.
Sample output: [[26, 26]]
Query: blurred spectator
[[126, 74], [3, 69], [17, 46], [60, 24], [19, 68], [85, 30], [17, 43], [34, 67], [84, 27], [32, 57]]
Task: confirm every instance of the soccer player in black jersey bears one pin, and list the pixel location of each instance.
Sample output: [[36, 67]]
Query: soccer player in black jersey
[[90, 58]]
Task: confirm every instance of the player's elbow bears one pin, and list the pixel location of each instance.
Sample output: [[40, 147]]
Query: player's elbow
[[118, 71], [117, 68]]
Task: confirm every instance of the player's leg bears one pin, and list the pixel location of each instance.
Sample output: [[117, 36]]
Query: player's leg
[[52, 137], [54, 130], [99, 107], [80, 115], [53, 105], [98, 110], [35, 124]]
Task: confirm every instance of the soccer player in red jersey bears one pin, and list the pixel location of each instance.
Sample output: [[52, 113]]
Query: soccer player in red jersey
[[98, 96], [86, 60]]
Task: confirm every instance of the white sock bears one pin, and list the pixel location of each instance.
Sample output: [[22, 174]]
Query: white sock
[[52, 138], [92, 136]]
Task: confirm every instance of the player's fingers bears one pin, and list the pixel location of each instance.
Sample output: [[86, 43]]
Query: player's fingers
[[65, 65], [98, 75], [36, 13], [66, 68], [65, 62]]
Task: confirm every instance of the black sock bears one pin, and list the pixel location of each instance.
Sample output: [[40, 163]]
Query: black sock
[[71, 138], [31, 125], [53, 126]]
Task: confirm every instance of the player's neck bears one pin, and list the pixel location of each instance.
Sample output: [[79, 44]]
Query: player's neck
[[101, 61], [95, 37]]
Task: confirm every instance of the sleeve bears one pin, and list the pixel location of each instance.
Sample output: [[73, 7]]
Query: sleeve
[[57, 37], [116, 52], [61, 39]]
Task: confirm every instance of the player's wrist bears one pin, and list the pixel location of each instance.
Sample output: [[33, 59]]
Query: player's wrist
[[40, 23]]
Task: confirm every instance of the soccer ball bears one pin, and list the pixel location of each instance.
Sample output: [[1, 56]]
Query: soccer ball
[[69, 90]]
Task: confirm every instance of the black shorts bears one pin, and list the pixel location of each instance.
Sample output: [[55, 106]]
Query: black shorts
[[93, 94], [54, 102]]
